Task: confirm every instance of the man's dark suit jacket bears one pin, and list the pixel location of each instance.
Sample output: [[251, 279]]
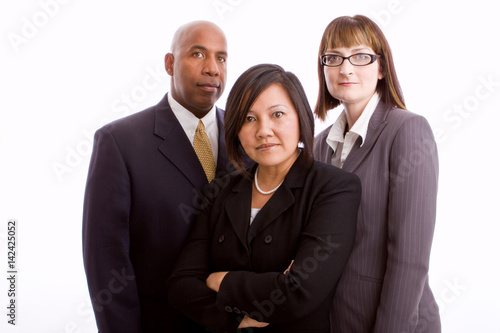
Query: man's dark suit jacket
[[385, 285], [310, 219], [145, 186]]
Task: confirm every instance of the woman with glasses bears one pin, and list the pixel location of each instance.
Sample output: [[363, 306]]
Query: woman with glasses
[[235, 270], [385, 285]]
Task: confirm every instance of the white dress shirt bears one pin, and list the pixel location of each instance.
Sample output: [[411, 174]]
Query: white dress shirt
[[189, 123], [253, 214], [341, 144]]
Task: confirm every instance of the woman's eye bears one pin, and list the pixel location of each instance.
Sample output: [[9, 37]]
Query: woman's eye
[[331, 59], [361, 56], [249, 119], [278, 114]]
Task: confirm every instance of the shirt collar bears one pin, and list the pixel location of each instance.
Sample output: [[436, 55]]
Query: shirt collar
[[188, 120], [360, 127]]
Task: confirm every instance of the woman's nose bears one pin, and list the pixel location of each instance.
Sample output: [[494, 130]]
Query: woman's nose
[[264, 129], [346, 68]]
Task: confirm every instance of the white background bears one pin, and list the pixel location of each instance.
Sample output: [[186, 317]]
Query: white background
[[68, 67]]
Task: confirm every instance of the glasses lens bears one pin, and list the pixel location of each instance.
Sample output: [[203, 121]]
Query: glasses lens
[[331, 60], [361, 59]]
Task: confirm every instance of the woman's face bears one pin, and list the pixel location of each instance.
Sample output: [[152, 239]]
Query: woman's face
[[352, 85], [271, 131]]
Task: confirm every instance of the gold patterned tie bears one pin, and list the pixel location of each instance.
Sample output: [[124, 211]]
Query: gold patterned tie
[[203, 149]]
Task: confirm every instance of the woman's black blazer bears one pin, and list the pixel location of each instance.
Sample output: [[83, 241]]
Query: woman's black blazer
[[310, 219]]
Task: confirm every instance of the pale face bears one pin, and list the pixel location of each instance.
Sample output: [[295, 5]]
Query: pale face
[[271, 131], [352, 85]]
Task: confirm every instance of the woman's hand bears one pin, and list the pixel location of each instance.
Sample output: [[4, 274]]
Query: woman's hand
[[288, 269], [214, 280], [249, 322]]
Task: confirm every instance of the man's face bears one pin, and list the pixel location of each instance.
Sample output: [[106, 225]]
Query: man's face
[[198, 68]]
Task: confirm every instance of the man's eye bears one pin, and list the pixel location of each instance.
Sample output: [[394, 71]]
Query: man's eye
[[221, 59], [198, 55]]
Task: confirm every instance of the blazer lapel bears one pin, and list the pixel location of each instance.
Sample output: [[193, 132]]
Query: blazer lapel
[[238, 209], [326, 153], [376, 125], [176, 146], [222, 161], [281, 200]]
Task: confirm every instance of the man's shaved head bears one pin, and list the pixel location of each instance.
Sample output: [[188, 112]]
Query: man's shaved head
[[189, 28]]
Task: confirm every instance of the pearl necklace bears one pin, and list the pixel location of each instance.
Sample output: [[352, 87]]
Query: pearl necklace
[[258, 188]]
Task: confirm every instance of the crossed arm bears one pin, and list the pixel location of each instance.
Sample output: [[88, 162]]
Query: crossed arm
[[327, 239]]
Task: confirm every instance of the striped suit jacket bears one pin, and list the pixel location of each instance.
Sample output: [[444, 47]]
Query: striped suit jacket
[[384, 287]]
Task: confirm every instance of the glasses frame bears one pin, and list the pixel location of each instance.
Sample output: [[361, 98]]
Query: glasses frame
[[373, 57]]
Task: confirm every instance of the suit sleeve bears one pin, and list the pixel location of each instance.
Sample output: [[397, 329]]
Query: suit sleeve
[[186, 288], [325, 245], [411, 220], [110, 275]]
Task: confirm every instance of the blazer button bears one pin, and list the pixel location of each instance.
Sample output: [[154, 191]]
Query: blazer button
[[268, 239], [228, 309], [221, 238]]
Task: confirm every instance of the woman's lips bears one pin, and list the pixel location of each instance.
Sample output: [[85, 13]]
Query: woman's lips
[[266, 146]]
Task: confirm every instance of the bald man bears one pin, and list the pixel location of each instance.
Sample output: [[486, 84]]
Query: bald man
[[145, 186]]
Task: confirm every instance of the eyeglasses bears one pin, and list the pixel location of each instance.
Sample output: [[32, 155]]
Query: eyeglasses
[[358, 59]]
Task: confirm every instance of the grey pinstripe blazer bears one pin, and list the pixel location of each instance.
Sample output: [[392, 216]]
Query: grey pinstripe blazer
[[384, 287]]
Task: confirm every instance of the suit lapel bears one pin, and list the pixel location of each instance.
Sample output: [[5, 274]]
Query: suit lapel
[[222, 161], [328, 151], [176, 146], [280, 202], [376, 125], [238, 206], [238, 210]]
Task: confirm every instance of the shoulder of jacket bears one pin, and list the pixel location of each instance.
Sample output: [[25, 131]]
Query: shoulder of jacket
[[397, 118], [130, 123], [401, 115]]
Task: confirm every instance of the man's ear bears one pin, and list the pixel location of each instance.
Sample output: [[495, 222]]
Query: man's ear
[[169, 63]]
